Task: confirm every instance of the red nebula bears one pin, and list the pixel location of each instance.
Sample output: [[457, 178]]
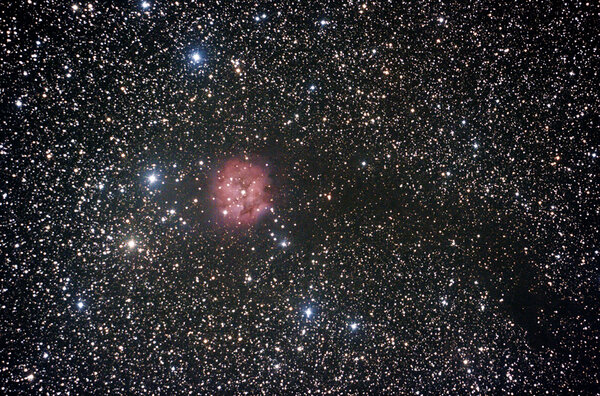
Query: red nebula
[[241, 192]]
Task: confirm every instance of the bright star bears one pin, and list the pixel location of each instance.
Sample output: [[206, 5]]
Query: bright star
[[152, 178], [145, 5], [354, 326], [196, 57], [80, 304], [308, 312]]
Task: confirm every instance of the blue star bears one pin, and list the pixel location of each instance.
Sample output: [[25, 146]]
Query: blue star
[[196, 57]]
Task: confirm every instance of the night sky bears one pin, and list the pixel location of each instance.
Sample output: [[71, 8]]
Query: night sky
[[296, 197]]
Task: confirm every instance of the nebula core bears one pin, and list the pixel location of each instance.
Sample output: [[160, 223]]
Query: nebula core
[[240, 191]]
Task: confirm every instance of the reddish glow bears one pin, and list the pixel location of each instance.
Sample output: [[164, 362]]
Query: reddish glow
[[241, 192]]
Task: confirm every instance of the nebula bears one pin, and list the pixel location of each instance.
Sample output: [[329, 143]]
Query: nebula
[[240, 190]]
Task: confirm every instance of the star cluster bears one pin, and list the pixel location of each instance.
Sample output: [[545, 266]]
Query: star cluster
[[412, 191]]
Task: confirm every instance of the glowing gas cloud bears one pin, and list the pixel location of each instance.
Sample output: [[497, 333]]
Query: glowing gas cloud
[[240, 190]]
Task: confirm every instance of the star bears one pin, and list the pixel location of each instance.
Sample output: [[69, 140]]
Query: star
[[196, 57]]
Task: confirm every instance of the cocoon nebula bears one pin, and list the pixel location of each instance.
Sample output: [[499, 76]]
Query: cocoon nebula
[[240, 190]]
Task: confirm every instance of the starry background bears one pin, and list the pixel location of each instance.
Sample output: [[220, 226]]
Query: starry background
[[435, 197]]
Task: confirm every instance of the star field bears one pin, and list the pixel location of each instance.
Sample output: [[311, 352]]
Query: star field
[[359, 197]]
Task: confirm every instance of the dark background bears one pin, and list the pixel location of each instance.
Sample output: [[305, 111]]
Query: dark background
[[481, 280]]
